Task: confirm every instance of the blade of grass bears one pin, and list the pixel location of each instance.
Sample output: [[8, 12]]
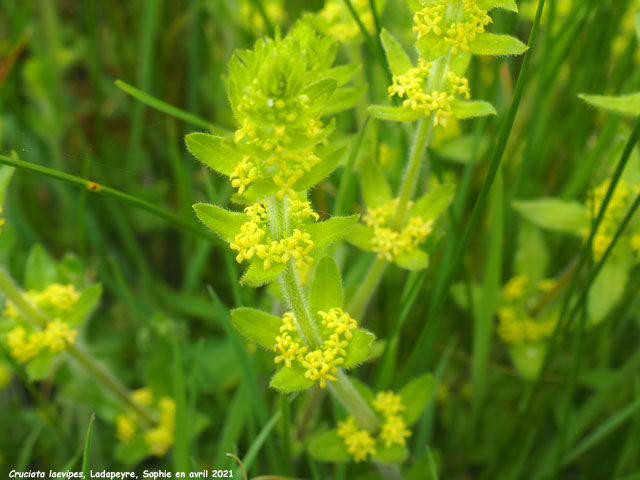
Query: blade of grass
[[182, 422], [87, 446], [163, 107]]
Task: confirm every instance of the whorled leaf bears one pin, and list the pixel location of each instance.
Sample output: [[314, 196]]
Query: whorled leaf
[[328, 447], [435, 202], [360, 236], [555, 214], [474, 108], [325, 233], [375, 187], [326, 289], [415, 259], [256, 275], [218, 153], [320, 170], [345, 99], [394, 114], [393, 454], [624, 104], [86, 303], [291, 379], [359, 349], [496, 44], [399, 61], [491, 4], [258, 326], [224, 223]]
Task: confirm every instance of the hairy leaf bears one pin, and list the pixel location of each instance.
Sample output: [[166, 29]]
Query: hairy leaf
[[625, 104], [554, 214], [394, 114], [324, 233], [476, 108], [415, 396], [328, 447], [217, 153], [496, 44], [290, 379], [257, 276], [415, 259], [326, 289], [399, 61], [359, 349], [256, 325], [375, 188], [225, 223]]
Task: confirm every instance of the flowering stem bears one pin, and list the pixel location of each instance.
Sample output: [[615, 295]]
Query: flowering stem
[[342, 388], [40, 320]]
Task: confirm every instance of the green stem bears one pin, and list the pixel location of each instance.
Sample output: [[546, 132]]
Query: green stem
[[40, 320], [112, 192], [342, 388]]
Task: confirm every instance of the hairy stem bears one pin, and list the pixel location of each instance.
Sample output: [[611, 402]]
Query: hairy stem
[[342, 388], [99, 373]]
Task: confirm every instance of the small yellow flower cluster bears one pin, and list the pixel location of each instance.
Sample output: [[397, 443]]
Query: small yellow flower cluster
[[411, 85], [322, 363], [458, 34], [158, 438], [516, 330], [459, 85], [389, 243], [516, 287], [337, 20], [515, 324], [254, 240], [25, 345], [394, 429], [253, 19], [618, 207], [429, 19], [360, 443], [56, 299]]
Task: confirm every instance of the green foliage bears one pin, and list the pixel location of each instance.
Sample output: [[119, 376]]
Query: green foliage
[[625, 104], [554, 214]]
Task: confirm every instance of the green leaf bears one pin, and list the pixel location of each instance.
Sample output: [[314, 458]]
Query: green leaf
[[399, 61], [225, 223], [87, 302], [217, 153], [490, 4], [432, 46], [344, 99], [394, 114], [359, 350], [40, 270], [326, 289], [415, 396], [343, 73], [360, 236], [435, 202], [289, 380], [532, 255], [554, 214], [625, 104], [607, 289], [415, 259], [328, 447], [324, 233], [476, 108], [320, 170], [320, 89], [256, 276], [496, 44], [258, 326], [528, 359], [393, 454], [375, 188], [363, 389]]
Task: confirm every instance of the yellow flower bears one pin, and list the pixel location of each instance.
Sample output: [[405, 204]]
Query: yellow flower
[[360, 444], [143, 396], [394, 431], [57, 335], [388, 403], [516, 287], [23, 346], [125, 428]]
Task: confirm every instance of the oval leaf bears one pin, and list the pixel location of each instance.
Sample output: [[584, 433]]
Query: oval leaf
[[625, 104], [415, 259], [360, 236], [435, 202], [225, 223], [326, 289], [256, 325], [359, 350], [496, 44], [394, 114], [375, 188], [328, 447], [216, 152], [324, 233], [555, 214], [477, 108], [257, 276], [289, 380], [398, 59]]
